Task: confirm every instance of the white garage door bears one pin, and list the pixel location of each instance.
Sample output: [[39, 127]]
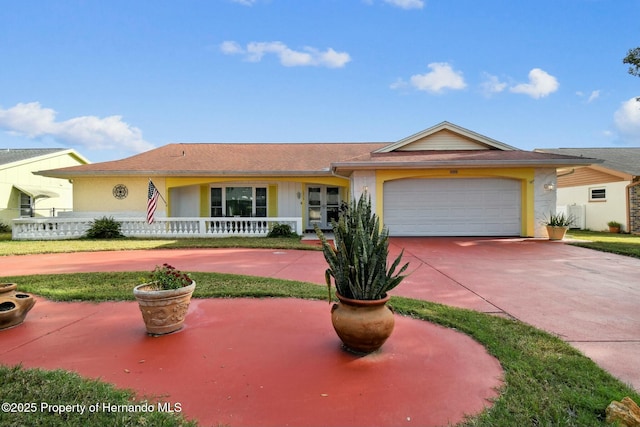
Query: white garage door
[[452, 207]]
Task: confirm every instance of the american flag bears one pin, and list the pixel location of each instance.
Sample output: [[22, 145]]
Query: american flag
[[152, 202]]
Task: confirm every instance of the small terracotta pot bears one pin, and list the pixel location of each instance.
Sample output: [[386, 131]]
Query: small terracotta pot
[[362, 325], [163, 311]]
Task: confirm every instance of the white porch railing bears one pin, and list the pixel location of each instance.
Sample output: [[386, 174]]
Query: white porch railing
[[60, 228]]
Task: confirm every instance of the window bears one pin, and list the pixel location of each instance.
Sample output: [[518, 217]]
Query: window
[[598, 194], [239, 201], [25, 205], [216, 202], [261, 202]]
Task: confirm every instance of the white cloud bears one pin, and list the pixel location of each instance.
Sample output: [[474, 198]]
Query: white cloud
[[308, 56], [492, 84], [441, 77], [231, 48], [594, 95], [34, 121], [399, 84], [406, 4], [245, 2], [540, 84], [627, 121]]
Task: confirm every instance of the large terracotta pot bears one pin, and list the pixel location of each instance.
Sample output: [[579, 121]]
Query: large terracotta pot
[[14, 305], [163, 311], [362, 325], [556, 232]]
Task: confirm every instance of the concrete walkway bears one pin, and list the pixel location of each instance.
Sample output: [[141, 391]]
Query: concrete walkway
[[588, 298]]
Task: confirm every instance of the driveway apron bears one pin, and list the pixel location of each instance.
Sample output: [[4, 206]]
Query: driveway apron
[[588, 298]]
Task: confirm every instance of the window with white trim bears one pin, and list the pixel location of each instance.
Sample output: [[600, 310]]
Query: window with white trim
[[598, 194], [238, 201]]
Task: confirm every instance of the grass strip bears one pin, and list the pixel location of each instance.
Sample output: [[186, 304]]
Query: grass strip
[[36, 397], [547, 382], [621, 244], [29, 247]]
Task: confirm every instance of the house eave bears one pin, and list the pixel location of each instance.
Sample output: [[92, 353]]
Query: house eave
[[459, 164], [186, 173]]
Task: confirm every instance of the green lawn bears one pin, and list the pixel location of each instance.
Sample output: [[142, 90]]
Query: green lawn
[[27, 247], [623, 244]]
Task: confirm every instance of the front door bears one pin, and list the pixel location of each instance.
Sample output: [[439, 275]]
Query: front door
[[323, 205]]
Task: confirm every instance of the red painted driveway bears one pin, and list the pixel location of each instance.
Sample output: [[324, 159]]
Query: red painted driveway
[[588, 298]]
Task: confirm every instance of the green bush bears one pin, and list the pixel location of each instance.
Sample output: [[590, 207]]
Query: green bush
[[4, 228], [104, 228], [281, 230]]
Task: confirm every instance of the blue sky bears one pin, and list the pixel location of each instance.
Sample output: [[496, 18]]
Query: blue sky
[[114, 78]]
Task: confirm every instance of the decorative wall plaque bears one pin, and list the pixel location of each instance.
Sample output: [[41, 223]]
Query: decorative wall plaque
[[120, 191]]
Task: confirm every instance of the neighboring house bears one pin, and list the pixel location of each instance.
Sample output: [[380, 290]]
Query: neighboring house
[[443, 181], [24, 194], [608, 191]]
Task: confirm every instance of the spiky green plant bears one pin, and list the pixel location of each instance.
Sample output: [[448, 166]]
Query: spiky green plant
[[559, 220], [358, 261]]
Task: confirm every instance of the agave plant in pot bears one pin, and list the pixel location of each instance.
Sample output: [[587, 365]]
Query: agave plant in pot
[[557, 225], [358, 265], [164, 299]]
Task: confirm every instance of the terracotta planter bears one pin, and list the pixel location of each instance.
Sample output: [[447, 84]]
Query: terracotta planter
[[556, 232], [14, 305], [614, 229], [362, 325], [163, 311]]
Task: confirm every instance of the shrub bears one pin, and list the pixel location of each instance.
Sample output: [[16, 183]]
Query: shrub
[[4, 228], [104, 228], [281, 230]]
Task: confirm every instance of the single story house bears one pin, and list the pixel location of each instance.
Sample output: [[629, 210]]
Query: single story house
[[23, 194], [603, 192], [443, 181]]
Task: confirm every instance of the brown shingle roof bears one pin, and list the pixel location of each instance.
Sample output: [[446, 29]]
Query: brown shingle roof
[[227, 159], [286, 159]]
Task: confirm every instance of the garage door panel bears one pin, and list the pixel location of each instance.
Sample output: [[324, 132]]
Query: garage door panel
[[452, 207]]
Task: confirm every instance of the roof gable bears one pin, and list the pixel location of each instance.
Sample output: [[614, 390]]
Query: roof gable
[[446, 137]]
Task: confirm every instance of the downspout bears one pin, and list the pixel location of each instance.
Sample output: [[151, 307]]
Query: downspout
[[628, 209]]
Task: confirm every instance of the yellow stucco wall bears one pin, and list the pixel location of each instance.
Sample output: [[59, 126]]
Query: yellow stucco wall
[[524, 175], [206, 182], [96, 194]]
